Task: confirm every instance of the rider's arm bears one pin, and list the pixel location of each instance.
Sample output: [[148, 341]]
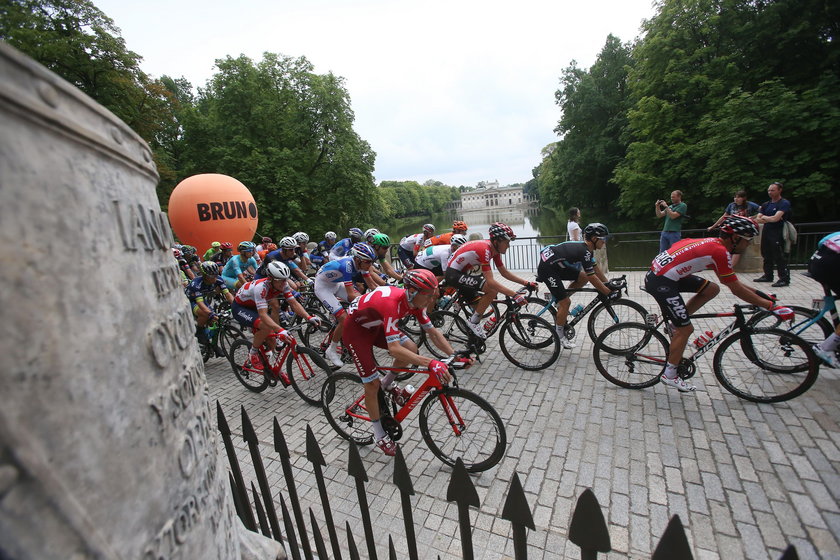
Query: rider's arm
[[389, 270], [598, 281], [440, 341], [368, 277], [267, 319], [509, 275], [403, 354], [748, 294], [494, 284]]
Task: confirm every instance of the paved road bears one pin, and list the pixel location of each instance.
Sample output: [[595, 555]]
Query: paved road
[[745, 479]]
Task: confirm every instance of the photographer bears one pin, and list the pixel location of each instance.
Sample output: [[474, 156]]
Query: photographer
[[674, 214]]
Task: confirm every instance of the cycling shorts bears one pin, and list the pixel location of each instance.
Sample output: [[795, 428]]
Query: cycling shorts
[[360, 342], [231, 283], [552, 275], [467, 284], [246, 316], [406, 257], [666, 292], [331, 294], [824, 266]]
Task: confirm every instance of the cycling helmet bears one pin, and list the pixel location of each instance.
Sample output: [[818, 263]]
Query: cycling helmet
[[246, 246], [330, 236], [266, 240], [270, 247], [188, 249], [370, 233], [215, 244], [301, 237], [177, 253], [363, 252], [278, 270], [288, 243], [596, 230], [420, 279], [380, 240], [459, 224], [429, 228], [356, 234], [227, 245], [457, 239], [739, 225], [209, 268], [499, 230]]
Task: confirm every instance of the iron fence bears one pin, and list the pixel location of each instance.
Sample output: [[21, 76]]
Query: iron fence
[[256, 508]]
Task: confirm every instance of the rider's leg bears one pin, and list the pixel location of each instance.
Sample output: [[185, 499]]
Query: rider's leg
[[703, 296]]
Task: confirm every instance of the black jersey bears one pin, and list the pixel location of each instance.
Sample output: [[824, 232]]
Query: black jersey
[[570, 254]]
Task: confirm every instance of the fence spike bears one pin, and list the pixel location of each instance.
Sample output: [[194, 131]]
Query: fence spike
[[402, 480], [291, 488], [259, 469], [518, 512], [392, 553], [351, 544], [237, 501], [313, 454], [356, 469], [290, 528], [790, 553], [248, 433], [264, 529], [316, 534], [313, 450], [674, 544], [233, 461], [462, 492], [588, 529]]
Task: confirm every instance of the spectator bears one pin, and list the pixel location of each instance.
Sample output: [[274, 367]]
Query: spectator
[[674, 215], [573, 227], [739, 207], [772, 215]]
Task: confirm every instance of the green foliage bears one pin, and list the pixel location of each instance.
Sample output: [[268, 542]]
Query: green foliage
[[399, 199]]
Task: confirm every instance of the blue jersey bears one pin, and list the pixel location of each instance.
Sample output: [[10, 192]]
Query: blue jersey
[[341, 270], [831, 241], [275, 255], [197, 289], [234, 267], [342, 248]]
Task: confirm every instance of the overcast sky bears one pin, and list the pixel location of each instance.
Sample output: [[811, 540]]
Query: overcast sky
[[458, 91]]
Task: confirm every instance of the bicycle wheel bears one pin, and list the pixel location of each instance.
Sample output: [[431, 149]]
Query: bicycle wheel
[[766, 365], [240, 361], [612, 313], [307, 371], [529, 342], [310, 334], [539, 307], [631, 355], [453, 328], [409, 325], [228, 334], [343, 402], [458, 423], [814, 334]]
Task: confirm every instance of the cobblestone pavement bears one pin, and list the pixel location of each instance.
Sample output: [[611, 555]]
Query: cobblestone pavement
[[745, 479]]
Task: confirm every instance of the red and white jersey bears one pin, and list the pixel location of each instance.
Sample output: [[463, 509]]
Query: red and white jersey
[[475, 253], [257, 293], [383, 308], [689, 256], [409, 242]]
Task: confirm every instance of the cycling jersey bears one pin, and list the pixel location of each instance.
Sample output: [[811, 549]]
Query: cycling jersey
[[236, 266], [332, 282], [409, 242], [341, 248], [434, 257], [830, 242], [208, 255], [689, 256], [570, 254], [221, 259], [276, 255], [474, 254], [257, 293], [338, 271], [442, 239], [197, 288]]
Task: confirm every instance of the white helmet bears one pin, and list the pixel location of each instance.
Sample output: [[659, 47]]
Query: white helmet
[[278, 270], [457, 239], [301, 237], [370, 233], [330, 236], [288, 243]]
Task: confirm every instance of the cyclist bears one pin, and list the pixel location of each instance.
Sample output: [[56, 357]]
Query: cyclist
[[824, 266], [458, 227], [256, 305], [435, 257], [480, 253], [285, 253], [193, 262], [321, 254], [334, 284], [372, 321], [207, 284], [267, 248], [223, 256], [262, 246], [186, 272], [369, 233], [575, 261], [236, 271], [215, 248], [302, 251], [673, 271], [342, 248], [381, 244], [410, 245]]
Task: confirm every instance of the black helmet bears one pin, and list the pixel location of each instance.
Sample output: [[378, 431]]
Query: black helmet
[[596, 230], [739, 225]]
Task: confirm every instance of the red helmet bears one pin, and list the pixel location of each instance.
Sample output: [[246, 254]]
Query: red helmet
[[459, 224], [227, 245], [499, 230], [420, 279]]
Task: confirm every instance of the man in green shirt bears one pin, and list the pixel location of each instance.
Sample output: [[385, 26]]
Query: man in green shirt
[[674, 214]]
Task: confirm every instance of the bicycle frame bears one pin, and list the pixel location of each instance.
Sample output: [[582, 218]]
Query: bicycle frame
[[829, 307]]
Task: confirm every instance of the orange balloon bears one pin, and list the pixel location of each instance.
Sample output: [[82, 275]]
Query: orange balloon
[[212, 207]]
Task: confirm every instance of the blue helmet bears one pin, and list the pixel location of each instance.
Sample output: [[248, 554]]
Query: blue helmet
[[356, 234], [363, 252]]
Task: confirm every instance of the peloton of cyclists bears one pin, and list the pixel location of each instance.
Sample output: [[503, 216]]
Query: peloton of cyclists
[[574, 261], [673, 271], [481, 253]]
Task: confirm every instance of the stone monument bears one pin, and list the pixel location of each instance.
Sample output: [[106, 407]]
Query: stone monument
[[107, 439]]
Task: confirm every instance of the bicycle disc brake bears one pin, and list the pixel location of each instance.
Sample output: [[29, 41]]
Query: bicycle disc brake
[[686, 369], [391, 426]]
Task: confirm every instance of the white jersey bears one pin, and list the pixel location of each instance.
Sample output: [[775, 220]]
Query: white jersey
[[434, 256], [410, 241]]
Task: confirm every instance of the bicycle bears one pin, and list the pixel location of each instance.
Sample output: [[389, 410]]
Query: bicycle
[[527, 341], [455, 423], [764, 365], [221, 334], [304, 368], [604, 313]]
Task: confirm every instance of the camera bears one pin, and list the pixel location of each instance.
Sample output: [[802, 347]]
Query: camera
[[662, 206]]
